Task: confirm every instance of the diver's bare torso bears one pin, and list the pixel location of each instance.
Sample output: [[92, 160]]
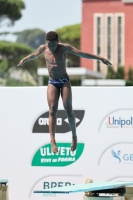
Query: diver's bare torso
[[55, 61]]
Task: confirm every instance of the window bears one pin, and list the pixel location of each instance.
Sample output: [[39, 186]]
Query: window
[[98, 35], [98, 41], [109, 39], [119, 41], [109, 35]]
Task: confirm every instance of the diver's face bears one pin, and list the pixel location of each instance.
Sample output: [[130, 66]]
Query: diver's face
[[52, 45]]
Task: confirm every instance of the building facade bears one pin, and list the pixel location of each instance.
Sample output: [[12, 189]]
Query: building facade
[[107, 31]]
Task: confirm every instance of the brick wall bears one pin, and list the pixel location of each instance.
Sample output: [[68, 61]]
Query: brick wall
[[105, 6]]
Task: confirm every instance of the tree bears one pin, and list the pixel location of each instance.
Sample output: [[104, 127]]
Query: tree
[[111, 73], [11, 10], [130, 74], [71, 35], [120, 74], [32, 37], [12, 53]]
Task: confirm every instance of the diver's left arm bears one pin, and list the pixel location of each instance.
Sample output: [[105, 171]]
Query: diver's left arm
[[79, 53]]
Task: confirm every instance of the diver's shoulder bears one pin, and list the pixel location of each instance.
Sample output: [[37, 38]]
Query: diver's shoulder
[[64, 45]]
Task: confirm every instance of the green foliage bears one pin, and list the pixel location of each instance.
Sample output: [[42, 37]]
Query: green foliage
[[76, 82], [31, 37], [130, 74], [120, 74], [12, 53], [10, 49], [11, 9], [71, 35], [111, 73], [45, 80], [3, 65], [129, 83]]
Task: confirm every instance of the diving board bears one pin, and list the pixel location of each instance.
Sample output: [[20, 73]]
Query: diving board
[[86, 187]]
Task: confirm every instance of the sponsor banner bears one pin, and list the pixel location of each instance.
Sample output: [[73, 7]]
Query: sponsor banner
[[118, 154], [51, 181], [62, 125], [118, 120], [25, 152], [64, 157]]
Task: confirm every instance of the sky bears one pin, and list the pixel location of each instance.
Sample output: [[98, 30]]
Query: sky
[[46, 15]]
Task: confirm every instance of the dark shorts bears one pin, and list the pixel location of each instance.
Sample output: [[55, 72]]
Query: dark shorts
[[59, 82]]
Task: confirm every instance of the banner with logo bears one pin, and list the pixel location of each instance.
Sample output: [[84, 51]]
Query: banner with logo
[[104, 124]]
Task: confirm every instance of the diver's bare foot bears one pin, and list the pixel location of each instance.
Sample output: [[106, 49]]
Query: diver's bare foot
[[54, 147], [74, 143]]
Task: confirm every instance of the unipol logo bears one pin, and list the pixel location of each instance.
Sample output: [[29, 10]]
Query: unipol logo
[[120, 119], [62, 125], [113, 122], [119, 154]]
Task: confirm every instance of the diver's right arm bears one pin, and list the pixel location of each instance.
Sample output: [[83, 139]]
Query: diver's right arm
[[32, 56]]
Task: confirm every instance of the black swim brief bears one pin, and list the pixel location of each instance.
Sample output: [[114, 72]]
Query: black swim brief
[[59, 82]]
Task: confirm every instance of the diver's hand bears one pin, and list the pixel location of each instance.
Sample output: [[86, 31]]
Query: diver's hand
[[21, 63], [105, 61]]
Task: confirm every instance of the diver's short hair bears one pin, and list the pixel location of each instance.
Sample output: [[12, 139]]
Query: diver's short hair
[[51, 35]]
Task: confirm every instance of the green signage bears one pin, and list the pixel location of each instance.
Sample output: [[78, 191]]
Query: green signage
[[45, 157]]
